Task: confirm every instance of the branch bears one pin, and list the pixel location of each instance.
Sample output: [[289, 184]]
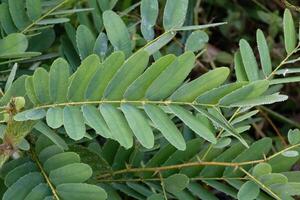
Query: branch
[[194, 164]]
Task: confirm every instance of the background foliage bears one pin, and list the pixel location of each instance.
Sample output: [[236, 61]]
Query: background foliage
[[151, 99]]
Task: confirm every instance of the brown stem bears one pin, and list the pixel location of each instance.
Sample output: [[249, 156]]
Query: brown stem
[[195, 164]]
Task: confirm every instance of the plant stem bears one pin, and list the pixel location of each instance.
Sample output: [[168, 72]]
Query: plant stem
[[220, 133], [44, 16], [283, 62], [141, 102], [34, 157], [195, 164], [158, 179], [262, 186]]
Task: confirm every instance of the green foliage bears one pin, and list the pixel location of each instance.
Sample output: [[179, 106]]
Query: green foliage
[[47, 172], [125, 113]]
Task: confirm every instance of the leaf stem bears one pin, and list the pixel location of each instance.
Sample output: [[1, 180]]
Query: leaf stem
[[220, 133], [44, 16], [283, 62], [194, 164], [142, 102], [158, 179], [163, 186], [34, 157], [262, 186]]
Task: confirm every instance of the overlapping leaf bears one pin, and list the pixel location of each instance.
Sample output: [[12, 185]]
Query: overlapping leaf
[[52, 173], [129, 96]]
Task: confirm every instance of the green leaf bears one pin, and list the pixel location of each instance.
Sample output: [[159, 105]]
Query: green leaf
[[11, 77], [200, 192], [156, 44], [95, 120], [139, 125], [196, 41], [285, 80], [285, 71], [249, 60], [59, 74], [256, 151], [220, 120], [262, 100], [101, 46], [195, 124], [198, 27], [85, 41], [6, 20], [264, 53], [176, 183], [222, 187], [41, 191], [104, 75], [245, 116], [52, 21], [190, 91], [29, 87], [273, 178], [117, 32], [290, 38], [226, 156], [287, 188], [249, 91], [248, 191], [72, 173], [290, 154], [261, 169], [10, 165], [41, 85], [171, 78], [33, 114], [139, 87], [18, 14], [107, 4], [74, 122], [49, 151], [117, 124], [149, 14], [156, 197], [16, 90], [54, 137], [34, 9], [13, 43], [162, 155], [166, 126], [54, 117], [128, 73], [239, 67], [174, 13], [82, 77], [193, 147], [15, 174], [60, 160], [30, 180], [41, 143], [294, 136], [79, 191], [213, 96]]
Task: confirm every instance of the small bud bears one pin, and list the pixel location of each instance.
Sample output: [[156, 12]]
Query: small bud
[[19, 103]]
